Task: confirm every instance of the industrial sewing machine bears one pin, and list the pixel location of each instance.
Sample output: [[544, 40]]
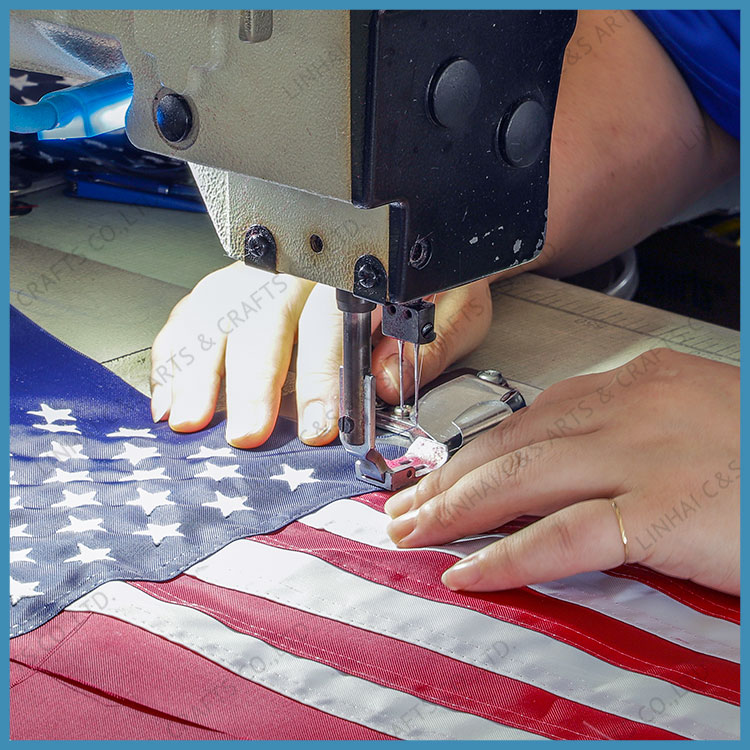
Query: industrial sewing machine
[[389, 154]]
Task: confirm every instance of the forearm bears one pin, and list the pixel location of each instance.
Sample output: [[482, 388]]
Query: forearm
[[630, 146]]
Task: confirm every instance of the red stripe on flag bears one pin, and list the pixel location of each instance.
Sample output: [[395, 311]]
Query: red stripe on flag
[[45, 707], [699, 598], [402, 666], [166, 688], [418, 572]]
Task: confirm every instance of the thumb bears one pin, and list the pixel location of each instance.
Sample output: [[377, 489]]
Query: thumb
[[462, 319]]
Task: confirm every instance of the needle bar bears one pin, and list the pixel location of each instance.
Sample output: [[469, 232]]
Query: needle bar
[[401, 375]]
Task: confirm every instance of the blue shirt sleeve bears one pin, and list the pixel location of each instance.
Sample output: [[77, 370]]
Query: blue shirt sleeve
[[705, 47]]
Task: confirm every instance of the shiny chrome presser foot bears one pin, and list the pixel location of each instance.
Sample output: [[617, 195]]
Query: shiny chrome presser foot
[[457, 407]]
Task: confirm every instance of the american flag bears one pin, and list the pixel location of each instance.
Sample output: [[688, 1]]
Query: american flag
[[316, 626], [100, 493]]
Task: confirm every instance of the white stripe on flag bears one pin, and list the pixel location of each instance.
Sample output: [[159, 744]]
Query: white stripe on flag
[[369, 704], [361, 523], [626, 600], [305, 582]]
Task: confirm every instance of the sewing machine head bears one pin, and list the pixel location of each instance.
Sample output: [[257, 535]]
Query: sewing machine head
[[390, 154]]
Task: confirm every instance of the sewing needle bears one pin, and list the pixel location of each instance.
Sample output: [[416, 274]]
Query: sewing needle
[[415, 410]]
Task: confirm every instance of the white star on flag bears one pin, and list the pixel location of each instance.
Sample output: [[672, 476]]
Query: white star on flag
[[58, 428], [22, 82], [96, 144], [64, 452], [67, 81], [212, 471], [53, 415], [15, 504], [74, 500], [205, 452], [135, 453], [21, 555], [149, 501], [158, 532], [141, 475], [12, 481], [79, 525], [295, 477], [19, 530], [130, 432], [69, 476], [20, 590], [87, 554], [227, 505]]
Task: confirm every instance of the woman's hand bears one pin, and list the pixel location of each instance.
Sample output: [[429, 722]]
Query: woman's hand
[[660, 436], [241, 323]]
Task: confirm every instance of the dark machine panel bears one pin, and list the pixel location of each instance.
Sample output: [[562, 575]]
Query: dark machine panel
[[451, 117]]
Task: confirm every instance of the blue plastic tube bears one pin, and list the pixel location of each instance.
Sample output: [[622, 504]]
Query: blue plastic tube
[[32, 118], [77, 112]]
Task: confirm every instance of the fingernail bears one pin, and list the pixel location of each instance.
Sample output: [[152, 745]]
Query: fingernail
[[160, 402], [463, 574], [314, 421], [390, 367], [251, 422], [178, 415], [401, 527], [401, 502]]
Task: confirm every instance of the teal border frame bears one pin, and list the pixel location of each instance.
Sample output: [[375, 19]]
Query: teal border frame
[[4, 277]]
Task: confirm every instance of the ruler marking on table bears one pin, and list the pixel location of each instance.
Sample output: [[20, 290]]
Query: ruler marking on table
[[685, 327]]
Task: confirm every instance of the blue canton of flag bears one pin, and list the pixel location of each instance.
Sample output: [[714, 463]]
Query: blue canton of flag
[[99, 493]]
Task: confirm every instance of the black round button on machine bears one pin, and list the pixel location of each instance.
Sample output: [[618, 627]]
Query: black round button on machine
[[454, 93], [174, 119], [521, 136]]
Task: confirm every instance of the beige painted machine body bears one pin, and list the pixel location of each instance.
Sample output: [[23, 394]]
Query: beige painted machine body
[[271, 141]]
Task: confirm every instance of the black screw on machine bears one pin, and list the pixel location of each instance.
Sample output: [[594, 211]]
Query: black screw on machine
[[370, 279], [259, 241], [368, 275], [420, 253]]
